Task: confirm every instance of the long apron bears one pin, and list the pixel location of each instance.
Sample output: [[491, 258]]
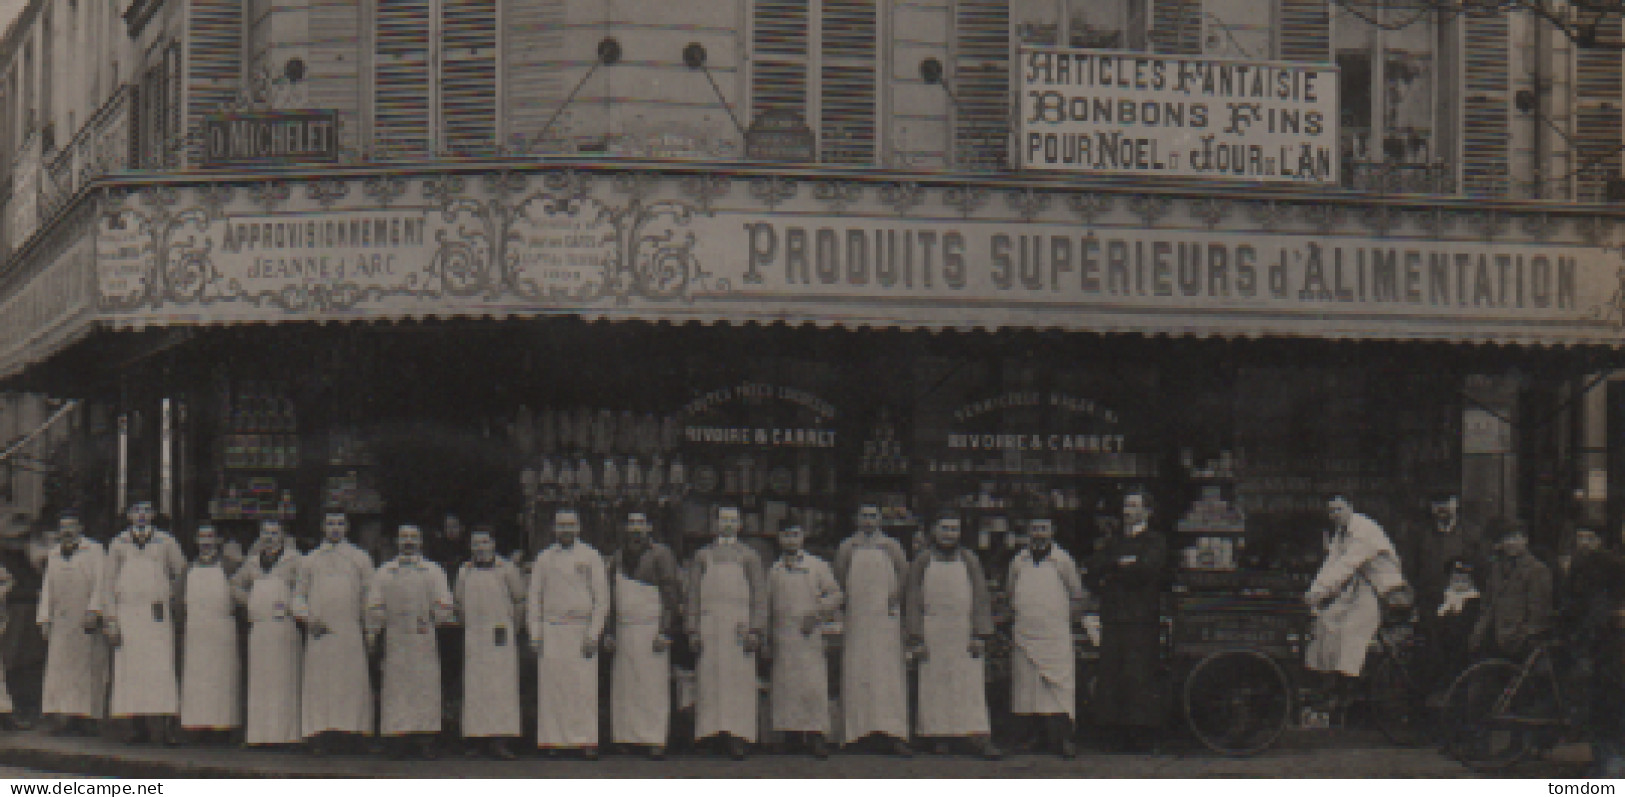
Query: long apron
[[1044, 675], [726, 673], [953, 698], [410, 695], [490, 657], [273, 663], [874, 697], [640, 700], [336, 689], [144, 680], [566, 681], [76, 659], [211, 680], [800, 665]]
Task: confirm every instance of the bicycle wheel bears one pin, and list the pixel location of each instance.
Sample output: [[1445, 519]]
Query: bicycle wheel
[[1237, 702], [1398, 704], [1479, 721]]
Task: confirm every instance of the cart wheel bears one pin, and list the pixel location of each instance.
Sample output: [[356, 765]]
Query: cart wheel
[[1398, 704], [1479, 716], [1237, 702]]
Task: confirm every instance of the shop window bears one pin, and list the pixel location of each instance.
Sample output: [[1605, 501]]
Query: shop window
[[434, 86]]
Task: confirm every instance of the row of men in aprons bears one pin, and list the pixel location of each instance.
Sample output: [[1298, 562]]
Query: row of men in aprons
[[111, 618]]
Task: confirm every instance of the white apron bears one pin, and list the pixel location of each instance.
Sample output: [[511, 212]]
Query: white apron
[[75, 659], [144, 680], [640, 700], [1043, 665], [336, 689], [874, 695], [566, 681], [490, 655], [800, 664], [211, 680], [726, 673], [953, 700], [1343, 631], [273, 663], [410, 694]]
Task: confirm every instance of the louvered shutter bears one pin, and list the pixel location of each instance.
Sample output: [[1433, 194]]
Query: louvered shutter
[[847, 77], [403, 80], [335, 65], [982, 81], [468, 76], [1597, 119], [1176, 26], [779, 63], [47, 72], [533, 33], [1484, 140], [214, 64], [1305, 31]]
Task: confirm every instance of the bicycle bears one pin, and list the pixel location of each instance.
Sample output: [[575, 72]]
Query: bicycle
[[1499, 711], [1395, 696]]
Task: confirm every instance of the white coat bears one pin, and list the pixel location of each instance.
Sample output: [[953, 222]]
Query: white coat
[[490, 602], [76, 658], [135, 598], [1043, 667], [568, 603], [801, 589], [1360, 560], [874, 690], [211, 675], [406, 599], [336, 690], [953, 697], [274, 649]]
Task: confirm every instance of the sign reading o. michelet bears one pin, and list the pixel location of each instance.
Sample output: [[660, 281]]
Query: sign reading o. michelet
[[268, 138], [1109, 112]]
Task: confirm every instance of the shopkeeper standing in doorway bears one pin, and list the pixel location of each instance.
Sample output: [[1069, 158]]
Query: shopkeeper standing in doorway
[[1127, 572]]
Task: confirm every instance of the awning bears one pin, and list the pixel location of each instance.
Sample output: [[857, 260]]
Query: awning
[[658, 242]]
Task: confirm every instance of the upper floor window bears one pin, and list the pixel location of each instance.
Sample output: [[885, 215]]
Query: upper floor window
[[434, 88]]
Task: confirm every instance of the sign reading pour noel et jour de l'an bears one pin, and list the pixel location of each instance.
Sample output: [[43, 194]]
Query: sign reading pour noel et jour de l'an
[[1110, 112]]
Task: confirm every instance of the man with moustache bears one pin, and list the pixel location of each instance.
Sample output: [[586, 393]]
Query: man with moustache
[[1127, 573], [265, 584], [648, 598], [406, 600], [135, 602], [568, 603], [872, 569], [802, 595], [949, 617], [76, 659], [727, 612], [211, 672], [490, 597], [1046, 598], [336, 697]]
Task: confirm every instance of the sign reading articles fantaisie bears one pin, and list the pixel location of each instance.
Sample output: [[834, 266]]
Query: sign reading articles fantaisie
[[1110, 112]]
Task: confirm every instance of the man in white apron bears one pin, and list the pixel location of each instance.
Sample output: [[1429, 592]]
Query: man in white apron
[[949, 616], [406, 599], [211, 675], [265, 584], [871, 568], [1361, 564], [336, 692], [569, 602], [648, 595], [75, 688], [727, 611], [490, 598], [136, 605], [802, 596], [1046, 597]]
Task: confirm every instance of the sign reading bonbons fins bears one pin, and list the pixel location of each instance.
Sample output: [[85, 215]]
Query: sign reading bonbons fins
[[269, 138], [1110, 112]]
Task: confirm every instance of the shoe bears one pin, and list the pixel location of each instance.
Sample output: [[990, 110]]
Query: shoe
[[589, 753], [736, 749], [901, 749], [1069, 749], [500, 751], [657, 753], [820, 747]]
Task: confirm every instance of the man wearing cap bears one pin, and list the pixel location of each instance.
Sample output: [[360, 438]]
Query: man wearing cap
[[336, 695], [211, 675], [265, 584], [1361, 565], [872, 570], [1518, 603], [1127, 574], [802, 595], [949, 617], [568, 603], [135, 603], [726, 615], [648, 597], [490, 597], [1047, 599], [75, 688], [407, 599]]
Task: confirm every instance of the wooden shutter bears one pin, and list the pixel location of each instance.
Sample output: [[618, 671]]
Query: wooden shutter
[[1484, 140], [214, 63], [1176, 26], [402, 81], [1597, 120], [779, 64], [334, 80], [847, 75], [1305, 31], [47, 72], [981, 71], [534, 85], [468, 76]]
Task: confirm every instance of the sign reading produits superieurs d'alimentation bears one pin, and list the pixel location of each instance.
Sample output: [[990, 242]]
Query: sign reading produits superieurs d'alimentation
[[1109, 112]]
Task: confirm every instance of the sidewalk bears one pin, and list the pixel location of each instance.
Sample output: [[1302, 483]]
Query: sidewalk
[[1320, 755]]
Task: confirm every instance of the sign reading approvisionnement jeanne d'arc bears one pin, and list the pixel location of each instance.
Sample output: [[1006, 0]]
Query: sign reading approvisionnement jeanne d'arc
[[1110, 112], [602, 247]]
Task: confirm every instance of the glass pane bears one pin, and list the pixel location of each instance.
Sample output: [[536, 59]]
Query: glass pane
[[1036, 21], [1101, 24], [1236, 28]]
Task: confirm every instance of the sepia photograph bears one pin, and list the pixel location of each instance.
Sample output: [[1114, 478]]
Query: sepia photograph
[[803, 389]]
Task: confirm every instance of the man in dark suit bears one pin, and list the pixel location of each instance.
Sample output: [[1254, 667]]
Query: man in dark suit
[[1518, 606], [1128, 573]]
